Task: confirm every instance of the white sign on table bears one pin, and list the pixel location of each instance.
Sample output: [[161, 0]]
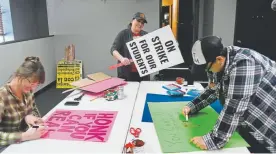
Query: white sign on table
[[155, 51]]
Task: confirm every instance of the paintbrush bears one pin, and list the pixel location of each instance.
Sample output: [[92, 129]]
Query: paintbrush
[[181, 117]]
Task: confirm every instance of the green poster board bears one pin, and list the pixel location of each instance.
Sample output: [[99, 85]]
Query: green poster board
[[174, 133]]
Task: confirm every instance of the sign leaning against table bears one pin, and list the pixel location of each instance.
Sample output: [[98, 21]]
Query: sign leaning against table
[[68, 72]]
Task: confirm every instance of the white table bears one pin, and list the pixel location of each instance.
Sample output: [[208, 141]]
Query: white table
[[117, 136], [148, 134]]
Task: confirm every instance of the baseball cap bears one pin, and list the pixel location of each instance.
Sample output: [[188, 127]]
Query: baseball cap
[[205, 50], [140, 16]]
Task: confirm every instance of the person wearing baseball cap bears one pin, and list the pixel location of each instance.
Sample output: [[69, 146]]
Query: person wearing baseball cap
[[245, 84], [120, 51]]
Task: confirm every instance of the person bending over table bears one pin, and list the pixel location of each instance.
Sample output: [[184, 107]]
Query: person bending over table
[[245, 84], [17, 107], [120, 51]]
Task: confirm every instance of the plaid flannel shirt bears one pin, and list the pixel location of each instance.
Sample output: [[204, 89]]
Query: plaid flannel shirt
[[249, 87], [12, 115]]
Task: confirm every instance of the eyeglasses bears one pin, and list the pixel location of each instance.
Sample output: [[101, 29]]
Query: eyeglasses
[[209, 65], [31, 83]]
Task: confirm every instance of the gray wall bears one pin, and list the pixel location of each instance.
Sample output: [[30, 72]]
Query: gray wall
[[200, 18], [218, 18], [41, 17], [224, 20], [12, 55], [29, 19], [208, 20]]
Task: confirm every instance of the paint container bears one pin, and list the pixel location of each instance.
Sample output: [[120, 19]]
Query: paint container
[[139, 146], [120, 92], [111, 95], [179, 80]]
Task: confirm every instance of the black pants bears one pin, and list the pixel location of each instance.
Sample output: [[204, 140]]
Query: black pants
[[255, 146], [134, 76]]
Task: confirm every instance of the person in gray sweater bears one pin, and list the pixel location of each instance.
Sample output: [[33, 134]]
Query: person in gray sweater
[[120, 51]]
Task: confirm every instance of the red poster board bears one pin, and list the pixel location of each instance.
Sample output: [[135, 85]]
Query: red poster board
[[80, 125]]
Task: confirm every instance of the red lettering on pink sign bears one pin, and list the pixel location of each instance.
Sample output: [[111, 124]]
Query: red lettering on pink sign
[[71, 122], [102, 121], [51, 124], [90, 116], [78, 135], [105, 115], [98, 136], [78, 117], [80, 125], [87, 124], [82, 129], [98, 129], [57, 118], [64, 113], [69, 129]]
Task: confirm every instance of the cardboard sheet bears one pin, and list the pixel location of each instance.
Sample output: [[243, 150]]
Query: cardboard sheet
[[82, 82], [100, 76]]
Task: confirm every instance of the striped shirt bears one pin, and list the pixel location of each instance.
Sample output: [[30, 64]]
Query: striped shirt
[[248, 84], [12, 115]]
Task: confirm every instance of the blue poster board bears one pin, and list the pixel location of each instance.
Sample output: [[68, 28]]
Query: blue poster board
[[165, 98]]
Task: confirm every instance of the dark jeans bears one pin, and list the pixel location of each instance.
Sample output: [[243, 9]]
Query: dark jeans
[[255, 146]]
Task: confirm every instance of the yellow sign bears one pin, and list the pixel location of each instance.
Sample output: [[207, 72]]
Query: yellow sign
[[68, 72]]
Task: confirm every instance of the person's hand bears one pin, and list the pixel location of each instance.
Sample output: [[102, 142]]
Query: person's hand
[[33, 133], [212, 84], [186, 110], [199, 142], [33, 120], [125, 61]]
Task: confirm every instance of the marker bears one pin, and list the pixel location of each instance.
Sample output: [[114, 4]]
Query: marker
[[35, 126], [39, 126]]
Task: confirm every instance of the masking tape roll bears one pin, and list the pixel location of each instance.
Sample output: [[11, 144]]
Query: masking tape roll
[[111, 95]]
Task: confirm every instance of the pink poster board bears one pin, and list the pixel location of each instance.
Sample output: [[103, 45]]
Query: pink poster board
[[80, 125], [104, 85], [94, 95]]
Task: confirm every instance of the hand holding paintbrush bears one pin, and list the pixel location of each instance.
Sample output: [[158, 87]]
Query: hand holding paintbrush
[[185, 111]]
